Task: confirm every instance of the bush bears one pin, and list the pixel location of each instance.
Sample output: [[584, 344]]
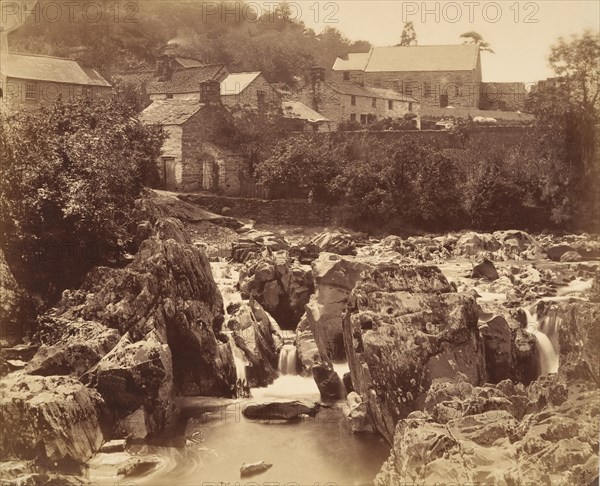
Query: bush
[[69, 178]]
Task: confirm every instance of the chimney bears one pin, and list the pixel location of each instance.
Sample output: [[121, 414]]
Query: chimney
[[317, 73], [164, 67], [81, 54], [210, 92]]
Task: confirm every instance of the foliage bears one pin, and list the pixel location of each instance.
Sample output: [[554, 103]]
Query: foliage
[[409, 36], [473, 37], [68, 180]]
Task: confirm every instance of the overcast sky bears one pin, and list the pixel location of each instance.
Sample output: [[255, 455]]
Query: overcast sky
[[521, 32]]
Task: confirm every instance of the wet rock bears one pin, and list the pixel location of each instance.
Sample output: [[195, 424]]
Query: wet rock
[[54, 417], [259, 340], [356, 414], [70, 347], [116, 445], [254, 468], [280, 410], [334, 277], [308, 352], [404, 328], [557, 251], [280, 285], [305, 254], [327, 381], [571, 256], [138, 466], [471, 244], [485, 269], [255, 243], [337, 242], [136, 376]]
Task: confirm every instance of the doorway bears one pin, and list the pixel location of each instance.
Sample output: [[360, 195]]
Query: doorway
[[169, 170], [443, 100]]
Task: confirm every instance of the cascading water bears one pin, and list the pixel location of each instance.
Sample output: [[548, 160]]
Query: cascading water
[[288, 357], [341, 369], [545, 334], [238, 359]]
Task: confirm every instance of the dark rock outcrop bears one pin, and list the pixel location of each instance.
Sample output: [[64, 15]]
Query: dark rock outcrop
[[327, 380], [485, 269], [404, 328], [279, 410]]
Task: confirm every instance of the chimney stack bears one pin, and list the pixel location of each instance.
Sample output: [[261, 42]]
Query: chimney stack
[[81, 54], [317, 73], [164, 67], [210, 92]]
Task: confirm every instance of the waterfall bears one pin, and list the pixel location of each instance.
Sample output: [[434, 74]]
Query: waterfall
[[341, 369], [547, 340], [238, 358], [288, 360]]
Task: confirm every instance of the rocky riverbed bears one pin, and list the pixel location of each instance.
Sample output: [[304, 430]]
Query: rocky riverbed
[[443, 359]]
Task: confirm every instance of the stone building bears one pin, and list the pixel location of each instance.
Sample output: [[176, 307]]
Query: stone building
[[503, 96], [297, 117], [346, 101], [248, 90], [191, 158], [28, 81], [441, 76]]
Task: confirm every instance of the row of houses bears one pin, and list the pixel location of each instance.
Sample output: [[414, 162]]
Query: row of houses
[[191, 99]]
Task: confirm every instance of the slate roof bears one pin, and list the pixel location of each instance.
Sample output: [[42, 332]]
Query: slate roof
[[185, 80], [170, 112], [235, 83], [369, 91], [188, 62], [47, 68], [461, 57], [300, 111]]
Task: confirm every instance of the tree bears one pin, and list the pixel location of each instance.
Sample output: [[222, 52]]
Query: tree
[[409, 36], [68, 180], [476, 38]]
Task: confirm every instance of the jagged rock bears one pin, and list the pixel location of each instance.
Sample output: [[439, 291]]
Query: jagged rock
[[279, 410], [116, 445], [70, 347], [260, 342], [282, 287], [571, 256], [327, 381], [255, 243], [485, 269], [136, 375], [471, 244], [404, 327], [556, 442], [305, 254], [307, 350], [335, 277], [356, 414], [337, 242], [168, 289], [254, 468], [54, 417]]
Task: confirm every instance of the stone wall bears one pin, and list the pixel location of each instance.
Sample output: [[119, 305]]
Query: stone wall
[[503, 96], [277, 211], [249, 96]]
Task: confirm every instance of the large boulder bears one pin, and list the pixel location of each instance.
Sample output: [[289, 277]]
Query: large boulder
[[256, 243], [471, 244], [54, 418], [281, 286], [338, 242], [328, 381], [136, 381], [306, 346], [335, 277], [488, 438], [405, 327], [259, 340], [280, 410], [356, 414]]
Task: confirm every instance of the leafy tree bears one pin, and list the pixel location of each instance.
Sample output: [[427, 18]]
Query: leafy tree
[[473, 37], [409, 36], [69, 176]]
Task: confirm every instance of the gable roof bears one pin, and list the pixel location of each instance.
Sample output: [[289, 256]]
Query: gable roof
[[369, 91], [47, 68], [462, 57], [235, 83], [186, 80], [355, 62], [300, 111], [170, 112]]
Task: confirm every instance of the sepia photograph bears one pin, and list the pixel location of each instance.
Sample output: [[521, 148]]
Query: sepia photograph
[[299, 243]]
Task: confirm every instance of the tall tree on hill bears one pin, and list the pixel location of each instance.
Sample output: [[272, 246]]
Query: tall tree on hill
[[473, 37], [409, 36]]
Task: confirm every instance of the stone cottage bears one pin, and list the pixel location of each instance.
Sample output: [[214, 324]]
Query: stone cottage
[[346, 101], [443, 75], [248, 90], [28, 81], [297, 117], [191, 158]]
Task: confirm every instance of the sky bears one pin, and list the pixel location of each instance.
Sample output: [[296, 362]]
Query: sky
[[520, 32]]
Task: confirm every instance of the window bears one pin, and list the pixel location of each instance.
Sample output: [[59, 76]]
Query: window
[[390, 104], [169, 96], [363, 119], [429, 90], [346, 76], [30, 91], [410, 107], [353, 117], [374, 103], [408, 89], [353, 100]]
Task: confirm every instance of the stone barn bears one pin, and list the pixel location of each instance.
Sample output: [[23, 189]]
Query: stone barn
[[191, 160]]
